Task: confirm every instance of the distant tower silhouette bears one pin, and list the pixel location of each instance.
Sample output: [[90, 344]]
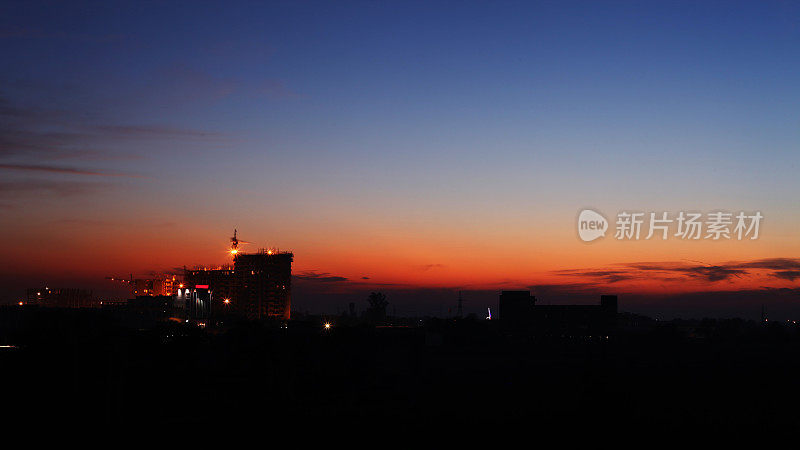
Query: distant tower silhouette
[[460, 313]]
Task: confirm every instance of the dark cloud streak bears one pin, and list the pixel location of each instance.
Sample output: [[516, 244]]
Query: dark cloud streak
[[62, 170], [783, 268], [39, 132], [323, 277], [16, 189]]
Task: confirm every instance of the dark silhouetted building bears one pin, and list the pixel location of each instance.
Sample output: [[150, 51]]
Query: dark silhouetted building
[[151, 308], [61, 298], [264, 284], [518, 312], [516, 309]]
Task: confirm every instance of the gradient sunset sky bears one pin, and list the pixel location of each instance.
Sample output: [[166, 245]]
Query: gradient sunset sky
[[399, 145]]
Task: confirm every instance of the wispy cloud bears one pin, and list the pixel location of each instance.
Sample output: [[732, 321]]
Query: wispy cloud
[[607, 276], [27, 188], [790, 275], [427, 267], [150, 132], [57, 134], [62, 170], [782, 268], [39, 33], [46, 142], [707, 272], [773, 264], [323, 277]]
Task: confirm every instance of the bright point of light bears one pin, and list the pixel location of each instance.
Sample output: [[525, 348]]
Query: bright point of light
[[327, 325], [234, 251], [20, 303], [227, 301]]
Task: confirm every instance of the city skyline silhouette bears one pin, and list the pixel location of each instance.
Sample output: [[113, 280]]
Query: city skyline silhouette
[[279, 218], [419, 148]]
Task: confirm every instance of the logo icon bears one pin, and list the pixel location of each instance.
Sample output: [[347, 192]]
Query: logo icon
[[591, 225]]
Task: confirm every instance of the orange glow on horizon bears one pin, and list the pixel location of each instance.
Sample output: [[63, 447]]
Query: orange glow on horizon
[[371, 255]]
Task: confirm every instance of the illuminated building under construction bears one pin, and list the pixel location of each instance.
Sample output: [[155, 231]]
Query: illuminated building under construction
[[150, 287], [257, 286]]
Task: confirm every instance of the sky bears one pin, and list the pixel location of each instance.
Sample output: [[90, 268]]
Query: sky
[[418, 148]]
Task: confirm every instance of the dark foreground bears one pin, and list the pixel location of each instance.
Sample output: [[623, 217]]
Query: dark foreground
[[80, 367]]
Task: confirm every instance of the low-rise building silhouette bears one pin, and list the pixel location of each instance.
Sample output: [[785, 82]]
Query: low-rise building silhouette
[[519, 313], [61, 298]]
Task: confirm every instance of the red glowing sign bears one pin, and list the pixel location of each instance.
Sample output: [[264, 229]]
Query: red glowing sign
[[201, 286]]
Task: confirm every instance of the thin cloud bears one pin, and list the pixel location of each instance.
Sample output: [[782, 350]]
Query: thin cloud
[[38, 33], [149, 131], [427, 267], [607, 276], [323, 277], [773, 264], [64, 170], [17, 189], [710, 273], [83, 222], [10, 110], [790, 275], [781, 268], [40, 132]]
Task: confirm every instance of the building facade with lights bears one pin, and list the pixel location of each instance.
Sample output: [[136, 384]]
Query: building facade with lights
[[204, 291], [152, 287], [256, 287]]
